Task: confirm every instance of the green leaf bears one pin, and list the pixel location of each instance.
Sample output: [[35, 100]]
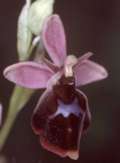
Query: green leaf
[[38, 11], [24, 35]]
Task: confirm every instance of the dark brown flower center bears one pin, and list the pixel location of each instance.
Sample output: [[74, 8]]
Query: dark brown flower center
[[58, 116]]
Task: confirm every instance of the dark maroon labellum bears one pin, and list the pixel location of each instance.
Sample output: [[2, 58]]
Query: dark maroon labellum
[[60, 118]]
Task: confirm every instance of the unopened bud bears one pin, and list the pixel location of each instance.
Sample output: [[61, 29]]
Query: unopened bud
[[24, 35], [39, 10]]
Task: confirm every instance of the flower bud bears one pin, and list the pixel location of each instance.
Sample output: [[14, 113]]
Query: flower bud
[[38, 11], [24, 34]]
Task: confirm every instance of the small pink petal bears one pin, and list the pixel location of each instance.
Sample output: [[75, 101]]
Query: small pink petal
[[85, 56], [88, 71], [29, 74], [51, 65], [54, 79], [41, 59], [54, 40]]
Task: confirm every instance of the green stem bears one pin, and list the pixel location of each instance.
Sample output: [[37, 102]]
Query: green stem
[[18, 99], [6, 128]]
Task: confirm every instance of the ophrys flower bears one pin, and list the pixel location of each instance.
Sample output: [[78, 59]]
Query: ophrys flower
[[62, 114]]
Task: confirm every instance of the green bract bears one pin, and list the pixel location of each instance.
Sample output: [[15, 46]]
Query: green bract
[[38, 11], [24, 35]]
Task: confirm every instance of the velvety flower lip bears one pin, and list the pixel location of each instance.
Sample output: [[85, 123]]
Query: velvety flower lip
[[46, 74]]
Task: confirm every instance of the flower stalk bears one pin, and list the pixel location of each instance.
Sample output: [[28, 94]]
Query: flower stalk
[[19, 98]]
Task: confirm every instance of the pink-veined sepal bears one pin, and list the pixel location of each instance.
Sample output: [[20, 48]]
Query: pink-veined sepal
[[29, 74], [87, 71], [53, 37]]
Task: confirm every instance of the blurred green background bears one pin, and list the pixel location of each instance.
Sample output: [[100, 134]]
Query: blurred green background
[[90, 25]]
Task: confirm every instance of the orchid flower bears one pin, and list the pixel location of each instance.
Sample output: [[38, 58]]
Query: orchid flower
[[62, 114]]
